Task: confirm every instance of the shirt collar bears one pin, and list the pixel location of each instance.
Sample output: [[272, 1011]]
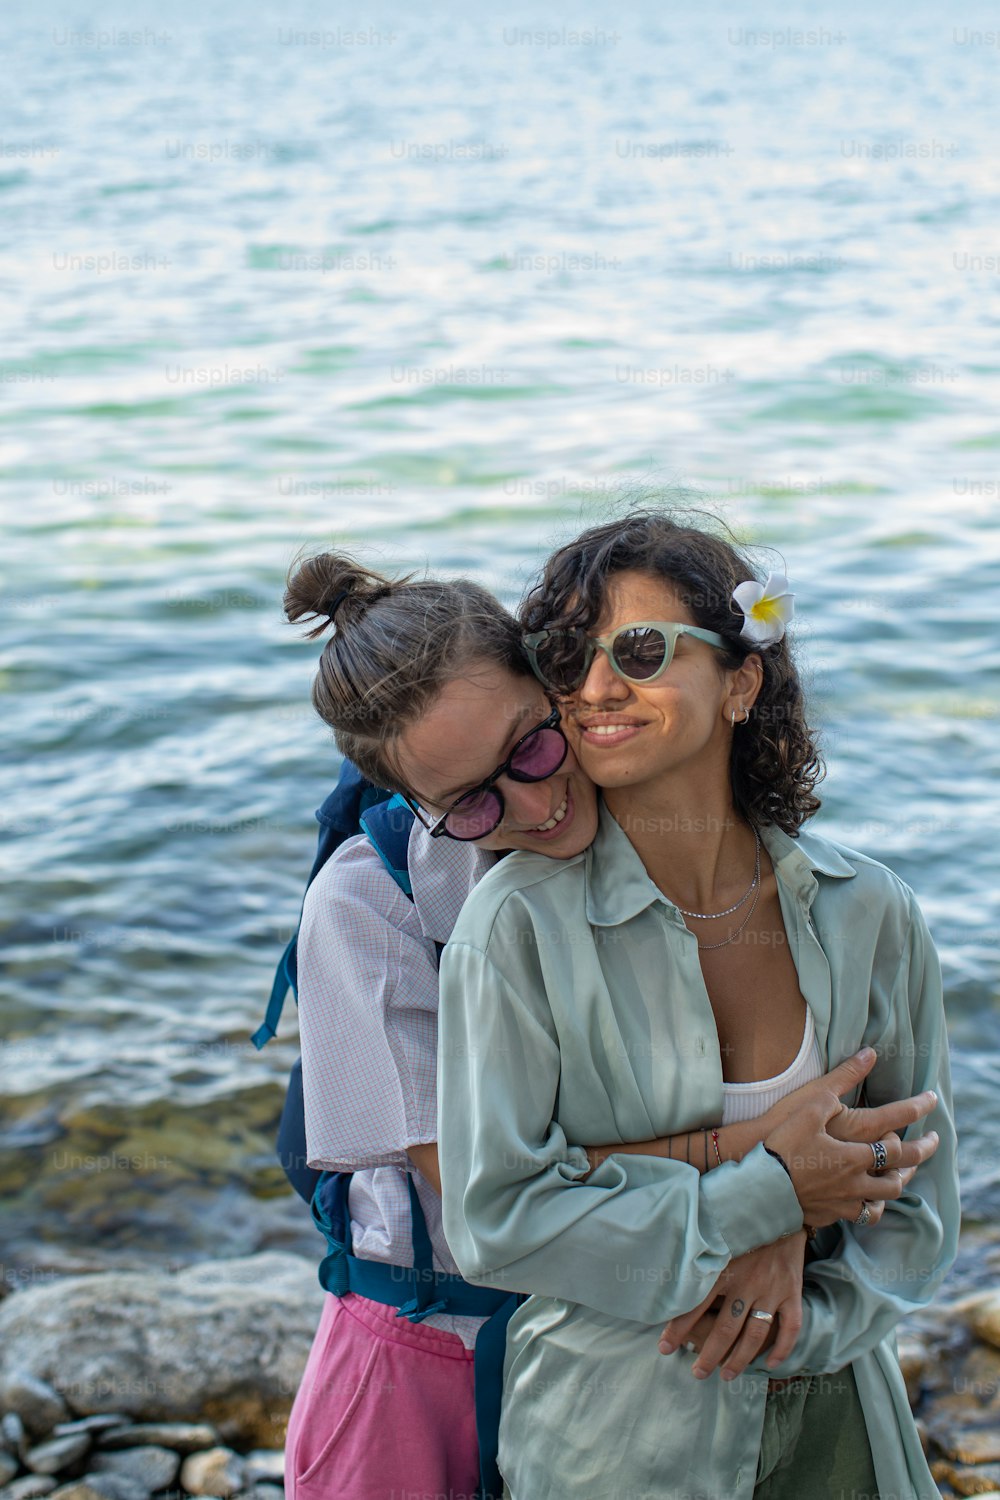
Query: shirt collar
[[618, 887], [443, 873]]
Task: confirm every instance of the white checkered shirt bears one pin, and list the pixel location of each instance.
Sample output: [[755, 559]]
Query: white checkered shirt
[[368, 1000]]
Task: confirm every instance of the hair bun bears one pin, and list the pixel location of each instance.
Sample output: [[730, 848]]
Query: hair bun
[[330, 610], [329, 588]]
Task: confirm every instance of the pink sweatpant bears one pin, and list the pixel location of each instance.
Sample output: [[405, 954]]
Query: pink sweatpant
[[385, 1410]]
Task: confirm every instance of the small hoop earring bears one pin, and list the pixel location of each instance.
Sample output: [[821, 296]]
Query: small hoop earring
[[745, 718]]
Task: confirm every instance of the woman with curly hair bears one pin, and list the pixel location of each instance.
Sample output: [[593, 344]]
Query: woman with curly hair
[[702, 958], [428, 690]]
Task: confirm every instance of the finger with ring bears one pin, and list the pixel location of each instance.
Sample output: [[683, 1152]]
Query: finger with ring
[[765, 1317], [864, 1216]]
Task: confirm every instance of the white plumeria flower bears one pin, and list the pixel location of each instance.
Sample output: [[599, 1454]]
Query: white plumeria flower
[[767, 607]]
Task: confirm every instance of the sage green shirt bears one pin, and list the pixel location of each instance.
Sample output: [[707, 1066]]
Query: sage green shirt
[[573, 1008]]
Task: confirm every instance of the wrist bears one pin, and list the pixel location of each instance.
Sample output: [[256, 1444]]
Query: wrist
[[779, 1158], [738, 1139]]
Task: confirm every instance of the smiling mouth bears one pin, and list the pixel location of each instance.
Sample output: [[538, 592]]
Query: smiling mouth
[[608, 728], [555, 819]]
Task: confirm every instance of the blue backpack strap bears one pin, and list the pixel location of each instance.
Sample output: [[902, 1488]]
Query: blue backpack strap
[[421, 1304], [388, 827], [285, 976], [342, 1271], [332, 1219], [488, 1361]]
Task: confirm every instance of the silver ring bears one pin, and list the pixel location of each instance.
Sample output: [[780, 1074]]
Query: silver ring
[[863, 1216], [691, 1346], [765, 1317], [881, 1158]]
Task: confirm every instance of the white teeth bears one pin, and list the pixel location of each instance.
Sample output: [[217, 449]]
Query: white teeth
[[556, 817], [606, 728]]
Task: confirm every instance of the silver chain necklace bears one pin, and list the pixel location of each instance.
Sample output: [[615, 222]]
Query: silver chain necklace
[[704, 916], [735, 935], [707, 916]]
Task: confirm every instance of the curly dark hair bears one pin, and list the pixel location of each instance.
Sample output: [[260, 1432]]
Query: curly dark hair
[[775, 763]]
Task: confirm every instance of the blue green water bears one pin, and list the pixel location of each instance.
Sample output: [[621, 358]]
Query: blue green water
[[437, 289]]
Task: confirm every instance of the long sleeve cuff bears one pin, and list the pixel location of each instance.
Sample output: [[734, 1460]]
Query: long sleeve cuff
[[751, 1202]]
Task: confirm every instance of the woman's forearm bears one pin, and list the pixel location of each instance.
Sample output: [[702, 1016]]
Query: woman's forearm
[[696, 1147], [819, 1137]]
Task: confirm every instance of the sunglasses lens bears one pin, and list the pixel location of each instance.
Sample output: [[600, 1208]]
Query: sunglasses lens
[[639, 654], [560, 660], [540, 755], [475, 816]]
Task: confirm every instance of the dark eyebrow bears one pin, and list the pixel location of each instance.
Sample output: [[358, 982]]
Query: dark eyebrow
[[468, 786]]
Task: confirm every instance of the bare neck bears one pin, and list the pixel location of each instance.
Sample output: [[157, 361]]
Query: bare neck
[[694, 845]]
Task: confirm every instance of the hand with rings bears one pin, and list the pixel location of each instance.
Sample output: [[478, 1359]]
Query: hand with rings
[[880, 1159], [734, 1323], [879, 1164], [837, 1155]]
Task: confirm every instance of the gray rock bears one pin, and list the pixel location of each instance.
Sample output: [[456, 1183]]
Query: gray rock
[[261, 1492], [265, 1466], [219, 1472], [93, 1425], [76, 1491], [182, 1437], [13, 1438], [57, 1454], [23, 1390], [197, 1345], [8, 1467], [153, 1467], [117, 1486], [28, 1487]]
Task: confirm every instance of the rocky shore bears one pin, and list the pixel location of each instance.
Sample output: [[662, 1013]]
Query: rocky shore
[[126, 1386], [951, 1359]]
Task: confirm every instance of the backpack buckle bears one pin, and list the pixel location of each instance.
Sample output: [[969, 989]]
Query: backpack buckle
[[416, 1314]]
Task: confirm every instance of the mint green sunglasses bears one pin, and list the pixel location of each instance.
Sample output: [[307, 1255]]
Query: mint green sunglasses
[[561, 659]]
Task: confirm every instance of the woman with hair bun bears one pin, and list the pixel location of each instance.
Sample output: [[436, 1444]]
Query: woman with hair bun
[[711, 955], [429, 693], [428, 690]]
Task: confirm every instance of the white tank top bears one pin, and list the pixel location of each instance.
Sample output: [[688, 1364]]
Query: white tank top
[[745, 1101]]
